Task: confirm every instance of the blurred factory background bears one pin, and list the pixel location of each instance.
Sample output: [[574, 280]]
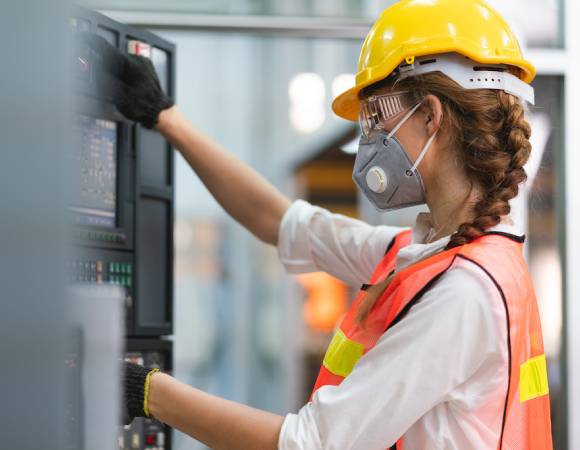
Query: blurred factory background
[[259, 76]]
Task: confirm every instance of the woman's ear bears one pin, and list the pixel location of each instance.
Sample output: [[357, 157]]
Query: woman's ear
[[433, 110]]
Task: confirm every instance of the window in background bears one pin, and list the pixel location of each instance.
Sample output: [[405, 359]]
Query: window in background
[[538, 23]]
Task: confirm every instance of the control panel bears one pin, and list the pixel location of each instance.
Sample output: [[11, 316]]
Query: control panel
[[123, 203]]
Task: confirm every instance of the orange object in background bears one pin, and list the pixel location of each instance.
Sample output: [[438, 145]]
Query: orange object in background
[[326, 300]]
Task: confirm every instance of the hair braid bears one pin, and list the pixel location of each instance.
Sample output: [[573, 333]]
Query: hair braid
[[501, 156]]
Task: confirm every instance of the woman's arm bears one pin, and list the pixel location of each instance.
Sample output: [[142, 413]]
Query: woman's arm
[[313, 239], [218, 423], [245, 194], [414, 367]]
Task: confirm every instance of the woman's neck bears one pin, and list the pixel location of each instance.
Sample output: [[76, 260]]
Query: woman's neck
[[451, 203]]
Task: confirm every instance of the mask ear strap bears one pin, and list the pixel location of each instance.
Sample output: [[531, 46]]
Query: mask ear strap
[[427, 146], [404, 119]]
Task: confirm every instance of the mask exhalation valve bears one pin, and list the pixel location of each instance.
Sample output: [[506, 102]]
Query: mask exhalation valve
[[377, 179]]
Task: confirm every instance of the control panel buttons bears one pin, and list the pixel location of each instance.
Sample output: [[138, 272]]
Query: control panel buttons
[[117, 273]]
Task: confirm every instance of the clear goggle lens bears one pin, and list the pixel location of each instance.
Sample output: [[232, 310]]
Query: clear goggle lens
[[379, 108]]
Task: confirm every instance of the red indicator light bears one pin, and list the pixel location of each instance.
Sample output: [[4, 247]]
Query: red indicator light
[[139, 48], [150, 439]]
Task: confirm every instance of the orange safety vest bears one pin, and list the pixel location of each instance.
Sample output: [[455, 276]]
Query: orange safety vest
[[526, 414]]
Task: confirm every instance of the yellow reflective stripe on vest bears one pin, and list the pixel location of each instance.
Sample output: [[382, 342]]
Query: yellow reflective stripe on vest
[[533, 378], [342, 354]]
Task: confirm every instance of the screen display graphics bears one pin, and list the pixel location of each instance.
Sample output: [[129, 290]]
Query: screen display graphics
[[95, 168]]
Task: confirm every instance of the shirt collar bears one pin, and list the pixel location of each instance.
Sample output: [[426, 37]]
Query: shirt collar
[[418, 250]]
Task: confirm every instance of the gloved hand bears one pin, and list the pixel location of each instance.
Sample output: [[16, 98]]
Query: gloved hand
[[131, 80], [136, 385]]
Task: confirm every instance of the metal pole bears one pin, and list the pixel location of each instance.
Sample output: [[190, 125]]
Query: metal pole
[[288, 26], [572, 214]]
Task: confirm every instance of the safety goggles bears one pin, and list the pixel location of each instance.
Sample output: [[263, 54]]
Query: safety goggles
[[377, 109]]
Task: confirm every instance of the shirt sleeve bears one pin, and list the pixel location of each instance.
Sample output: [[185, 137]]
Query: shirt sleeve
[[313, 239], [448, 337]]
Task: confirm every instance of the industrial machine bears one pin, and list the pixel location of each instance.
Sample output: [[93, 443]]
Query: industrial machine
[[122, 206]]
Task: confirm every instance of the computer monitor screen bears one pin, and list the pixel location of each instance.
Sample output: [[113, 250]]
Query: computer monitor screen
[[95, 166]]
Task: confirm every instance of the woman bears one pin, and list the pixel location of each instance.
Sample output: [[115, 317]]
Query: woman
[[442, 349]]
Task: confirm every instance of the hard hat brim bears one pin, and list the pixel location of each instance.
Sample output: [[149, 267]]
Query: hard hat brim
[[347, 104]]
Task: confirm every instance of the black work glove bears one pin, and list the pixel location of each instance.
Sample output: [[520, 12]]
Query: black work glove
[[131, 81], [136, 390]]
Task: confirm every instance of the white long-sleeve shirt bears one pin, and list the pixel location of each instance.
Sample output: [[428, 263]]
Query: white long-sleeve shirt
[[434, 377]]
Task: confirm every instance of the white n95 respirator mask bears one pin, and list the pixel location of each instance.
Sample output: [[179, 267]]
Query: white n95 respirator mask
[[384, 172]]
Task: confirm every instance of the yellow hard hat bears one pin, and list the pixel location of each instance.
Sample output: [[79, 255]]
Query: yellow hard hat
[[414, 28]]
